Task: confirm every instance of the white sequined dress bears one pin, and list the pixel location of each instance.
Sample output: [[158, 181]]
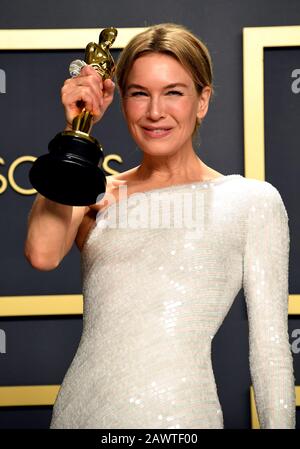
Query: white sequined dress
[[155, 294]]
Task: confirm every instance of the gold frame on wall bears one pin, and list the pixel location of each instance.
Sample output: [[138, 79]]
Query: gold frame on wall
[[44, 305], [41, 305], [52, 39], [255, 40], [60, 39]]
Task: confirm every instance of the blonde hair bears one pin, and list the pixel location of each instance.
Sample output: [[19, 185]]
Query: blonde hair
[[174, 40]]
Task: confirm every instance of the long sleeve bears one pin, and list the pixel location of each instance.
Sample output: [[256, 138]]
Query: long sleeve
[[265, 284]]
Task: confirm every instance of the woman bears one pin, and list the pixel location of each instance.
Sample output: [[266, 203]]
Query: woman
[[155, 297]]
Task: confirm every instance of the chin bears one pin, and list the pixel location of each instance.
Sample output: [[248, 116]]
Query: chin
[[156, 151], [158, 148]]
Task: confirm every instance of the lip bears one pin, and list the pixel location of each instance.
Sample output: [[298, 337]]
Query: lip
[[156, 132]]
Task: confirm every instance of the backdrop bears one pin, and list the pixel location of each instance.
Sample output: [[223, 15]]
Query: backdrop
[[38, 350]]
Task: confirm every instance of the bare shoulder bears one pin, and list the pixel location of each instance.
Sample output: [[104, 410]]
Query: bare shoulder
[[112, 184], [91, 211]]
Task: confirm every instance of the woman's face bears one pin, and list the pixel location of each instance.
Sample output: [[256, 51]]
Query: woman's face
[[161, 104]]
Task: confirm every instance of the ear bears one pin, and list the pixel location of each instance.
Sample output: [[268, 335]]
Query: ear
[[203, 103]]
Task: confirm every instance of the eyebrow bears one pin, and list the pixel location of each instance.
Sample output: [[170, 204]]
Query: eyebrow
[[169, 86]]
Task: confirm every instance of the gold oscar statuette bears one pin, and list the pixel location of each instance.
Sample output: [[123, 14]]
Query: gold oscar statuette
[[71, 172]]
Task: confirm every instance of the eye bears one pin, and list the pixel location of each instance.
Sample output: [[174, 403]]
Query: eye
[[137, 93], [174, 92]]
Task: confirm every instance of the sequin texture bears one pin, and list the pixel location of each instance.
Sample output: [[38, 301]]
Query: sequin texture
[[154, 300]]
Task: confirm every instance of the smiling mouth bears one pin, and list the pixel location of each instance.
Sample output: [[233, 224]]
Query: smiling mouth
[[157, 131]]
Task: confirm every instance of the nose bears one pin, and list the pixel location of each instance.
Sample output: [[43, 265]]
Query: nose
[[155, 109]]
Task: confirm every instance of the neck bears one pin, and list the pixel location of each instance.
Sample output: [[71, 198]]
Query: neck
[[172, 168]]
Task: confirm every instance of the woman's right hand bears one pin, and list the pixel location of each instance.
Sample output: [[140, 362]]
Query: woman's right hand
[[86, 90]]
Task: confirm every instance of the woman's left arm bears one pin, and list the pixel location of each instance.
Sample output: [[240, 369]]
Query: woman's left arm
[[265, 284]]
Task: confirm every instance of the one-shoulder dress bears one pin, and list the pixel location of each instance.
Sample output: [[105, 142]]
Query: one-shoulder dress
[[160, 271]]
